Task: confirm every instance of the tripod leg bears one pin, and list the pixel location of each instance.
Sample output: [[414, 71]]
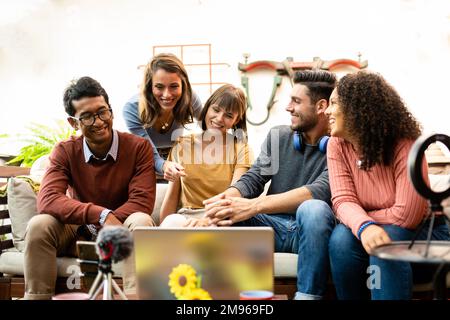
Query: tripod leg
[[120, 292], [419, 229], [107, 287], [95, 286], [97, 292], [440, 282], [430, 232]]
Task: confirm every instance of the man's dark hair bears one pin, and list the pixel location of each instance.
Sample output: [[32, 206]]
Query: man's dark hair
[[320, 83], [81, 88]]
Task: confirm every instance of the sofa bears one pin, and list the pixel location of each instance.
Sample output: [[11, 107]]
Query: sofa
[[21, 205]]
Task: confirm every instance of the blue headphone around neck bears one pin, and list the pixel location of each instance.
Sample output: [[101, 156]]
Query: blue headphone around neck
[[322, 143]]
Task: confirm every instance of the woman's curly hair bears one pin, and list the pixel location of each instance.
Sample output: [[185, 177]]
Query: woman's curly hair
[[375, 116]]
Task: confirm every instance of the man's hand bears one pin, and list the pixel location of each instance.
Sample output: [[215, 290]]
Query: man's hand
[[173, 171], [225, 212], [214, 199], [374, 236], [111, 220]]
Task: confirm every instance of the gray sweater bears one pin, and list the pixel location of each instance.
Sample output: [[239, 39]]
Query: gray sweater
[[286, 167]]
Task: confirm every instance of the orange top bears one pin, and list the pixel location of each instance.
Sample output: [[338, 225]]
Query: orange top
[[382, 194], [209, 170]]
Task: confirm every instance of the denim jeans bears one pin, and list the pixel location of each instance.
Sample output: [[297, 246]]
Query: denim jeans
[[306, 234], [350, 265]]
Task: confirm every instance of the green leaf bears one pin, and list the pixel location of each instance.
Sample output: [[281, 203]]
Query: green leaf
[[40, 141]]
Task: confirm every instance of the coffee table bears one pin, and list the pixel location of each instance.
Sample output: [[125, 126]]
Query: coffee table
[[429, 252]]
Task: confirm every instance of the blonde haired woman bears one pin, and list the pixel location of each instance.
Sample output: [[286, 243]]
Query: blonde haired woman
[[213, 159]]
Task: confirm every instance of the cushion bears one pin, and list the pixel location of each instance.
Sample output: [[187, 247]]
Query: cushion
[[11, 263], [285, 265], [22, 207], [39, 168]]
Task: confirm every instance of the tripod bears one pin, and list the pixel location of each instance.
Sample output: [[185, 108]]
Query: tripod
[[439, 278], [415, 160], [435, 207], [104, 280]]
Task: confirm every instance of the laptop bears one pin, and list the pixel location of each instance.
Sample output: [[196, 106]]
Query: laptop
[[223, 261]]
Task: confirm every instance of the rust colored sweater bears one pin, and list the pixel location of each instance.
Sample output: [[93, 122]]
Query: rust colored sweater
[[76, 192], [382, 194]]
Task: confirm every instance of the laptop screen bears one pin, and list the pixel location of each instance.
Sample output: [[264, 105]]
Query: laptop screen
[[222, 262]]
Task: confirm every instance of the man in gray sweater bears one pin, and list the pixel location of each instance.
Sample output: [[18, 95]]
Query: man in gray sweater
[[296, 206]]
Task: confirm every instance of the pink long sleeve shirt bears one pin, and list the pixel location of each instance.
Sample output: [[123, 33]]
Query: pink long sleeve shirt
[[382, 194]]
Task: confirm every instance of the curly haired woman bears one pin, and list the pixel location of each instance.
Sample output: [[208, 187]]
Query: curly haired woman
[[372, 133]]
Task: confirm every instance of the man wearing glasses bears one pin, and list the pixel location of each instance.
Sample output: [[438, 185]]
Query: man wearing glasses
[[103, 177]]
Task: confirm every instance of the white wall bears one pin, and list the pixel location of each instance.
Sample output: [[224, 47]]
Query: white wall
[[44, 44]]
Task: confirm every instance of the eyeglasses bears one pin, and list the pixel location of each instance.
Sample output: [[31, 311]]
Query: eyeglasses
[[89, 119]]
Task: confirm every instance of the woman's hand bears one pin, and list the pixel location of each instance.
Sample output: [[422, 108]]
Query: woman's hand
[[195, 222], [173, 171], [374, 236]]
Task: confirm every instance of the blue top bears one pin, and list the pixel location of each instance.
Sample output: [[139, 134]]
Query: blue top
[[158, 140]]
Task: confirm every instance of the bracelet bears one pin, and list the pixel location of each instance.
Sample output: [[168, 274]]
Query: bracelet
[[364, 226]]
